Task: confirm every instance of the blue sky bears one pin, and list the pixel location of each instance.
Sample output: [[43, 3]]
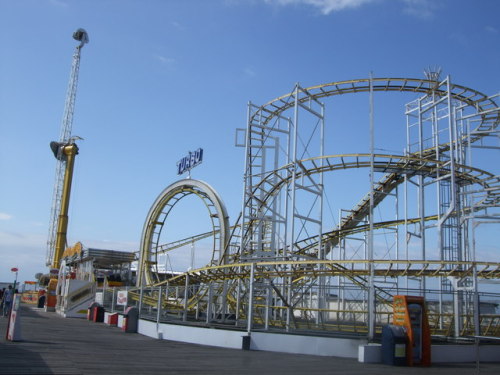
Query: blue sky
[[161, 78]]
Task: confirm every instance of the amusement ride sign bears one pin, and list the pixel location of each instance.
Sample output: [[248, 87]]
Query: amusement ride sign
[[190, 161]]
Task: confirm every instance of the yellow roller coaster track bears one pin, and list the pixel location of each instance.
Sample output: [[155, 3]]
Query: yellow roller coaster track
[[484, 106], [396, 167], [479, 101], [305, 265], [313, 268], [399, 165]]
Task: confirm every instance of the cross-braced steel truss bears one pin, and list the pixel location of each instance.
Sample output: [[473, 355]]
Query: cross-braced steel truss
[[284, 269]]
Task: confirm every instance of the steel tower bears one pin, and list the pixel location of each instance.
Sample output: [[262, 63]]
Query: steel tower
[[64, 151]]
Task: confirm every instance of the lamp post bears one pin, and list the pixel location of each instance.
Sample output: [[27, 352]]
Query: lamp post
[[14, 269]]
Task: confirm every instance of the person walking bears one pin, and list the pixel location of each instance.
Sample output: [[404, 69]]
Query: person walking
[[7, 300], [2, 291]]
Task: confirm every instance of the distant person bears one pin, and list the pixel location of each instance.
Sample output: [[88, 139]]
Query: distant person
[[2, 291], [7, 300]]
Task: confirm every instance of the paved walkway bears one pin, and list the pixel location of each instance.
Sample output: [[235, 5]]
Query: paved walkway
[[54, 345]]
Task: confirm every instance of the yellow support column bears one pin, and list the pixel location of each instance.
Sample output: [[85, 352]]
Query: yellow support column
[[70, 151]]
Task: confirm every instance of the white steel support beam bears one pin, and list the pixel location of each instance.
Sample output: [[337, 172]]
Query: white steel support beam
[[371, 280]]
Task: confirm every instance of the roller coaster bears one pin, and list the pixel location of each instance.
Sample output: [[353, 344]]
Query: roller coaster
[[279, 267]]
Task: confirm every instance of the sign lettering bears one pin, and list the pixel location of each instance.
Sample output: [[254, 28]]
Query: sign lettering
[[190, 161]]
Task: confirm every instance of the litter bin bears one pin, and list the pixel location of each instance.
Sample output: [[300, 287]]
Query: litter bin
[[394, 342], [91, 311], [111, 318], [130, 320], [98, 315], [41, 302]]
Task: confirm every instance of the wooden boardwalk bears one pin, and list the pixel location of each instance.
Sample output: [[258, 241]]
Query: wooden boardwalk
[[54, 345]]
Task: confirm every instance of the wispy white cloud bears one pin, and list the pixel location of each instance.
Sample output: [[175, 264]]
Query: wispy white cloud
[[4, 216], [424, 9], [59, 3], [249, 72], [324, 6], [25, 251], [165, 60], [178, 25], [491, 29], [11, 238], [420, 8]]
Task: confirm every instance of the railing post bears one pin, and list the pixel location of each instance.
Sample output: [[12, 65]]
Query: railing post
[[103, 295], [113, 294], [209, 303], [186, 294], [238, 297], [166, 302], [140, 299], [268, 303], [128, 299], [250, 300], [158, 307]]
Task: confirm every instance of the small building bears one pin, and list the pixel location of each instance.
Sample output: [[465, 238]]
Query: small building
[[85, 269]]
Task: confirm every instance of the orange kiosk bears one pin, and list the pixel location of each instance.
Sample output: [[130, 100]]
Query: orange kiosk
[[410, 312]]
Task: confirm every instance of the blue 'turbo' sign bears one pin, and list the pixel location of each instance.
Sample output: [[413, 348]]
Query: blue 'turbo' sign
[[190, 161]]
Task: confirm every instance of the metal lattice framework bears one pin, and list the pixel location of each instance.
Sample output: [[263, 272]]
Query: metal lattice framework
[[283, 270]]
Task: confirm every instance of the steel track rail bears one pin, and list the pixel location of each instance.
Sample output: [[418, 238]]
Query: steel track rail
[[473, 98], [311, 268]]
